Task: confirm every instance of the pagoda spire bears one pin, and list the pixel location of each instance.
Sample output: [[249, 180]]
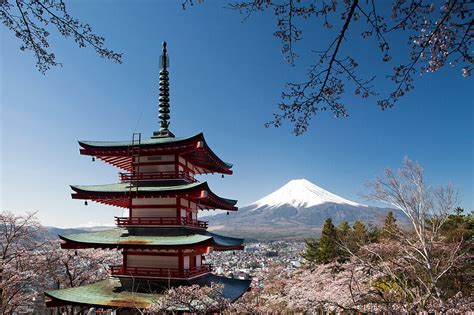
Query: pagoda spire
[[164, 99]]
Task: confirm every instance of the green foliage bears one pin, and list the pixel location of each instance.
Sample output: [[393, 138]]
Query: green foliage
[[373, 233], [458, 226], [346, 236], [361, 236], [390, 228], [325, 249], [311, 252], [344, 231]]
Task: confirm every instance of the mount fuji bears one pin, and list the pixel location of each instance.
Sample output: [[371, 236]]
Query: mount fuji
[[296, 210]]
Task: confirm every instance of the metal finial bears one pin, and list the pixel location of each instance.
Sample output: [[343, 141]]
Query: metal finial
[[164, 99]]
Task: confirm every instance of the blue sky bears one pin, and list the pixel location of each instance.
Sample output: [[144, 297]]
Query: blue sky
[[226, 79]]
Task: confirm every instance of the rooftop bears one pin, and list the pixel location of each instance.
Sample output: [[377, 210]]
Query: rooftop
[[114, 238], [109, 293]]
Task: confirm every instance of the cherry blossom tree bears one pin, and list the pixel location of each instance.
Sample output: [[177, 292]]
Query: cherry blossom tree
[[437, 34], [413, 262], [33, 262], [32, 21], [18, 236], [192, 298], [73, 268]]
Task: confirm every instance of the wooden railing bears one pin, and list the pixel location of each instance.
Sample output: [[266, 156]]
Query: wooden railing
[[127, 221], [160, 272], [127, 177]]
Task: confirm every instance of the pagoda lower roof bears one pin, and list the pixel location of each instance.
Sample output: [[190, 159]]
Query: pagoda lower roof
[[193, 148], [119, 194], [110, 294], [106, 293], [162, 238]]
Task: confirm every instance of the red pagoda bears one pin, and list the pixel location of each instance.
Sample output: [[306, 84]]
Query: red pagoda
[[162, 240]]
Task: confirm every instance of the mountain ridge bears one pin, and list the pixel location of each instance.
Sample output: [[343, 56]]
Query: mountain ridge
[[297, 210]]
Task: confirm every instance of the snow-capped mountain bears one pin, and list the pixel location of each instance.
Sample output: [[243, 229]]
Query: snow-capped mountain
[[296, 210], [300, 193]]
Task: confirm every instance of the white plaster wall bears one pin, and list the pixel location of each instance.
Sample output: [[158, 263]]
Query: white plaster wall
[[153, 201], [184, 202], [152, 261], [186, 262], [154, 212], [158, 158], [157, 168]]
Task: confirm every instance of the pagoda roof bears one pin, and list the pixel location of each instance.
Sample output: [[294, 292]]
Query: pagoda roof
[[106, 293], [110, 294], [120, 238], [118, 194], [144, 142], [194, 148]]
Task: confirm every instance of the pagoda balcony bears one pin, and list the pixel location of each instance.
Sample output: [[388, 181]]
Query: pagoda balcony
[[119, 270], [160, 221], [150, 176]]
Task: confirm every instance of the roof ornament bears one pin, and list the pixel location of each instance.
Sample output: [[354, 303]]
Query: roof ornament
[[164, 99]]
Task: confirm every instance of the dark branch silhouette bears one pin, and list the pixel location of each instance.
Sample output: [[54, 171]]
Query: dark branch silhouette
[[438, 33], [30, 19]]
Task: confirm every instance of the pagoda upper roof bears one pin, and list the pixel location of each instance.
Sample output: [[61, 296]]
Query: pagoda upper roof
[[110, 294], [194, 148], [120, 238], [118, 194]]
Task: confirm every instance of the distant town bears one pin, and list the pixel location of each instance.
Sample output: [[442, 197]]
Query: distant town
[[254, 261]]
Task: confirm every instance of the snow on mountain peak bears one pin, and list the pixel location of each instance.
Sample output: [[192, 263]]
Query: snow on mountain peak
[[300, 193]]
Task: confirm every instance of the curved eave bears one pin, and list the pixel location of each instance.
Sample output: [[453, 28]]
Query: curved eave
[[112, 147], [110, 294], [222, 243], [117, 239], [119, 194], [118, 153], [97, 240], [106, 293], [232, 288]]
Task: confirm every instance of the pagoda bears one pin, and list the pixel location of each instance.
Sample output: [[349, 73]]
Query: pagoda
[[162, 241]]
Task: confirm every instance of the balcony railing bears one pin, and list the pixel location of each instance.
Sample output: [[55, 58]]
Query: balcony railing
[[160, 272], [128, 177], [147, 221]]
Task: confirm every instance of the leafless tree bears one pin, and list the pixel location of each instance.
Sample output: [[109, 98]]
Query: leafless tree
[[32, 20], [411, 264], [438, 33]]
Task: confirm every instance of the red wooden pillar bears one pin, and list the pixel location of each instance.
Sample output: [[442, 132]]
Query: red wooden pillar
[[178, 210], [180, 263], [124, 261], [176, 165]]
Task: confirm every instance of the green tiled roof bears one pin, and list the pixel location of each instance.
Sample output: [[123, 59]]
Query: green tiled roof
[[225, 240], [103, 293], [109, 293], [151, 141], [125, 187], [148, 142], [120, 237]]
